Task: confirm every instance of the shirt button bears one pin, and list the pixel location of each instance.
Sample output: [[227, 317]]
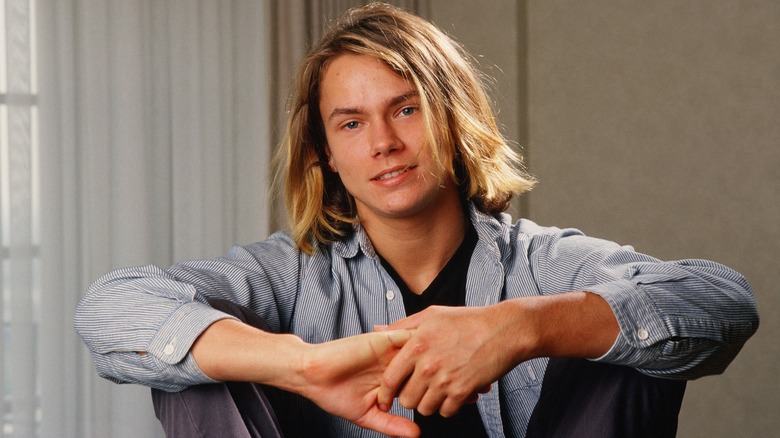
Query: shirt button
[[642, 334], [168, 350], [390, 295]]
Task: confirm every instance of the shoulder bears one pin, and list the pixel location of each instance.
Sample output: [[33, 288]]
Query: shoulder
[[281, 248], [501, 227], [554, 242], [527, 236], [279, 244]]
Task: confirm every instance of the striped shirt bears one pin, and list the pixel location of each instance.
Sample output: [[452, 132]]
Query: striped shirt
[[682, 319]]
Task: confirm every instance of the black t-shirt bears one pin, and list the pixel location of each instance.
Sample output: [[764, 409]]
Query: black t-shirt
[[447, 289]]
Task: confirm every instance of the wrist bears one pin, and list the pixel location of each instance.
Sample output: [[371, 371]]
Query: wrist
[[289, 370], [232, 351], [526, 326]]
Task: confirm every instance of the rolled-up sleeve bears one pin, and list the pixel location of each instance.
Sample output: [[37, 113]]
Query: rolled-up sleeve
[[678, 319], [139, 323]]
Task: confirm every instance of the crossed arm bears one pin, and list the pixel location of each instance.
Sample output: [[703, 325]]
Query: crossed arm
[[341, 376], [426, 360]]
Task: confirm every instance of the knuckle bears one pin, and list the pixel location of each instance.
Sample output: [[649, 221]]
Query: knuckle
[[461, 395], [419, 347], [443, 381], [430, 368]]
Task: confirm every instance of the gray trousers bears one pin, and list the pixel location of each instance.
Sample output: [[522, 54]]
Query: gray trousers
[[222, 409]]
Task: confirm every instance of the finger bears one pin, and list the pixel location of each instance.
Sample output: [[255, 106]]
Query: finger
[[451, 407], [413, 391], [475, 396], [398, 338], [430, 402], [392, 425], [410, 322], [385, 345], [397, 371], [472, 399]]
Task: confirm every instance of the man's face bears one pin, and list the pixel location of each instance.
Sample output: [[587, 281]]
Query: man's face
[[375, 138]]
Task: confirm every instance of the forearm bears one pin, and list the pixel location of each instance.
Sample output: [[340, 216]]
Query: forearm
[[163, 311], [230, 350], [340, 376], [574, 324]]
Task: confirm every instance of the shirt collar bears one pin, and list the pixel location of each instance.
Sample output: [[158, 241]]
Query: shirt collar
[[357, 240], [488, 229]]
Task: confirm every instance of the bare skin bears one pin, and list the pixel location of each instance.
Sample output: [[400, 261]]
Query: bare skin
[[341, 376], [375, 134], [435, 370]]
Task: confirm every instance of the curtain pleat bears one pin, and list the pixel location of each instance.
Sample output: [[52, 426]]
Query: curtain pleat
[[19, 264], [148, 139], [146, 108]]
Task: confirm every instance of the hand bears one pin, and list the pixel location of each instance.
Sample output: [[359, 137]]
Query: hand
[[454, 354], [342, 377], [457, 352]]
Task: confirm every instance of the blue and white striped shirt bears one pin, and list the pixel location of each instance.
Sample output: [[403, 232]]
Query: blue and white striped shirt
[[681, 319]]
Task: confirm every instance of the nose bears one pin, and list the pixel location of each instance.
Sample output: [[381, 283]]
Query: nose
[[384, 139]]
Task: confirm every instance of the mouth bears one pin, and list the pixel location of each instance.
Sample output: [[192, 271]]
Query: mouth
[[394, 173]]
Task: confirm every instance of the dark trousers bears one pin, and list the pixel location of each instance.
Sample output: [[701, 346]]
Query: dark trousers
[[579, 398], [582, 398]]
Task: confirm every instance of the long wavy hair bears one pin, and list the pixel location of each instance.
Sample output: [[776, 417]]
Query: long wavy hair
[[460, 123]]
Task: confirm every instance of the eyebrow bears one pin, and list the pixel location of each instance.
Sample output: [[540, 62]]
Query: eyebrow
[[356, 110]]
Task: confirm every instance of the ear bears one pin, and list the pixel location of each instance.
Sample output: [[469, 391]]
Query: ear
[[331, 164]]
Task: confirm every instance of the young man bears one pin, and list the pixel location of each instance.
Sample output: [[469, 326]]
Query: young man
[[401, 277]]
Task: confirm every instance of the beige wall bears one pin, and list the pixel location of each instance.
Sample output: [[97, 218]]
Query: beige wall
[[655, 124]]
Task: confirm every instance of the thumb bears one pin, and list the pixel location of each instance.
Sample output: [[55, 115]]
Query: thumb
[[408, 323], [391, 425], [397, 337]]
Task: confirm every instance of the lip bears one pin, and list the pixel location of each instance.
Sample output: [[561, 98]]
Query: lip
[[392, 173]]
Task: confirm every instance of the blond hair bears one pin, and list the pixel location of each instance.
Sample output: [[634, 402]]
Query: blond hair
[[461, 127]]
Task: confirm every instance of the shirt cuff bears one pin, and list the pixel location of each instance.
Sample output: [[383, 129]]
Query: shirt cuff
[[175, 338], [641, 325]]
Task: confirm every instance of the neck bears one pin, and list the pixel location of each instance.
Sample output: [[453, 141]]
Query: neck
[[419, 247]]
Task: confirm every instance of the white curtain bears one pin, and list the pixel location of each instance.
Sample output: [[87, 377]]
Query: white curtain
[[152, 144], [132, 132]]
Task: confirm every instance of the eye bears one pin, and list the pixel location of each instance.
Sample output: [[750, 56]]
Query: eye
[[351, 125], [409, 110]]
